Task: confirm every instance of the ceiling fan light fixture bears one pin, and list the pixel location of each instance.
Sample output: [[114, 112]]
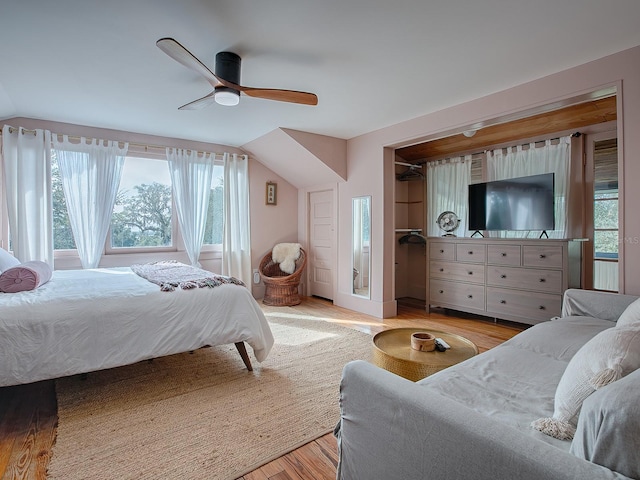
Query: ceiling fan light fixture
[[227, 96]]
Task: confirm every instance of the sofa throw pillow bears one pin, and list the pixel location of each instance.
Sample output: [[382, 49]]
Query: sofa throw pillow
[[630, 315], [610, 355], [24, 277], [608, 426], [7, 260]]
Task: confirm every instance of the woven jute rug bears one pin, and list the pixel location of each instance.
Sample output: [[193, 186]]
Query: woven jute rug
[[203, 415]]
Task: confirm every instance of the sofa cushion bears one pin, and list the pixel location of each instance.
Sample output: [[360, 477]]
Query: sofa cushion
[[608, 430], [630, 315], [608, 356], [516, 381]]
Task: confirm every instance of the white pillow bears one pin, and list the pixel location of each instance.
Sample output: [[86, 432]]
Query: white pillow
[[630, 315], [7, 260], [610, 355]]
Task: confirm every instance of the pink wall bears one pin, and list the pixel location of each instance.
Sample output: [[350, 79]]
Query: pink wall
[[270, 224], [369, 165]]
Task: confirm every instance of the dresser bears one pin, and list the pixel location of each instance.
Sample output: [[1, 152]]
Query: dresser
[[522, 280]]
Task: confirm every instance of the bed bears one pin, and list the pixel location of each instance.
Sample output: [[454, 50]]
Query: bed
[[87, 320]]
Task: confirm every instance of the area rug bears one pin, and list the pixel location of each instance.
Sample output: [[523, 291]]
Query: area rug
[[203, 415]]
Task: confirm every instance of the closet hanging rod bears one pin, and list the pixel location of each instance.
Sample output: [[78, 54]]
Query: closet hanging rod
[[411, 165], [133, 145]]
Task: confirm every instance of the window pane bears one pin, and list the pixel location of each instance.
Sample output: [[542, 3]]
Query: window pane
[[606, 244], [605, 214], [143, 210], [215, 213], [62, 234]]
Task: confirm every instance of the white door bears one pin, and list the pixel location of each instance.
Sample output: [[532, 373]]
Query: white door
[[321, 244]]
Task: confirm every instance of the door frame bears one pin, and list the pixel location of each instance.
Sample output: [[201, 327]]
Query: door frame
[[304, 231]]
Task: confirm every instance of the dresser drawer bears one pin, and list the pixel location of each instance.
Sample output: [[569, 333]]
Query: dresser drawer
[[503, 254], [466, 272], [536, 307], [441, 251], [525, 278], [466, 252], [464, 295], [549, 256]]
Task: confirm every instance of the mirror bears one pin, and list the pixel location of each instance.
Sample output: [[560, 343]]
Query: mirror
[[361, 258]]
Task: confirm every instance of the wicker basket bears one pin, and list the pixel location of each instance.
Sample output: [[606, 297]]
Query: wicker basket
[[281, 288]]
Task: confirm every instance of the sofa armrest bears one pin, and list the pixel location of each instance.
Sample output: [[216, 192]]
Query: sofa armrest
[[589, 303], [393, 428]]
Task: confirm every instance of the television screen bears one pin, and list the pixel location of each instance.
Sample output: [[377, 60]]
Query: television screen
[[524, 203]]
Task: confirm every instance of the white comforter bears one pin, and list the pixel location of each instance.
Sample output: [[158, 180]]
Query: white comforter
[[87, 320]]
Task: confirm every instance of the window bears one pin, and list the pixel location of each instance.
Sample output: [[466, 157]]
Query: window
[[143, 212], [215, 213], [62, 234], [143, 215]]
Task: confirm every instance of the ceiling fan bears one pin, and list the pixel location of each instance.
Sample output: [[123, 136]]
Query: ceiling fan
[[226, 79]]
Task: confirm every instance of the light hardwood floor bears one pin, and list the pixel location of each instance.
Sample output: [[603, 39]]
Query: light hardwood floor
[[28, 413]]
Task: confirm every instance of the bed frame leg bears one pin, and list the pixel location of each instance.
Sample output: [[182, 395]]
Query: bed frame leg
[[242, 350]]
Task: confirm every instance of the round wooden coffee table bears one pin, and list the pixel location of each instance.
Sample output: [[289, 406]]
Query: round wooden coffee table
[[392, 351]]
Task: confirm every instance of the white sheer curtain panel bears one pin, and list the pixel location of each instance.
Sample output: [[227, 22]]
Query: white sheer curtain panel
[[90, 174], [236, 240], [26, 157], [448, 190], [520, 162], [191, 178]]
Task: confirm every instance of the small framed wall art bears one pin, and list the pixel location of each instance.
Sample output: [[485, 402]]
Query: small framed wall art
[[272, 193]]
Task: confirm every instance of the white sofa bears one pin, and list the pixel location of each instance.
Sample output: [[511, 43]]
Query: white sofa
[[473, 420]]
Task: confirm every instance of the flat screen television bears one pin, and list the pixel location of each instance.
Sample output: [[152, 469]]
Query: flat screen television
[[523, 203]]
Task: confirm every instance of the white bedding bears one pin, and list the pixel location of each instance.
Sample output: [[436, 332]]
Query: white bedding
[[87, 320]]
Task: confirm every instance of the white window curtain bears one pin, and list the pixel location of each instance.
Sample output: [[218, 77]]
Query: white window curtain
[[191, 178], [448, 190], [27, 168], [236, 239], [90, 174], [520, 162]]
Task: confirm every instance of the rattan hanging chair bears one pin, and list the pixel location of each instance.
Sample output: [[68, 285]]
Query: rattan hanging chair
[[281, 288]]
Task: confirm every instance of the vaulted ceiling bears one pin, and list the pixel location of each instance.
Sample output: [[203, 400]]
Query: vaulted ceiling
[[372, 63]]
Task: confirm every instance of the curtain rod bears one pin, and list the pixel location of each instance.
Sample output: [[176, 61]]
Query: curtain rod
[[480, 154], [146, 147]]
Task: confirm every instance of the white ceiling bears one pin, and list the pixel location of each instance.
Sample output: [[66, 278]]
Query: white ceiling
[[372, 63]]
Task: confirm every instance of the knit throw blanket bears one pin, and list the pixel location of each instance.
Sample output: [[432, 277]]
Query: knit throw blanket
[[171, 274]]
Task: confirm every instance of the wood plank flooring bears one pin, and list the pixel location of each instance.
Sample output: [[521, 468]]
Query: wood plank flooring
[[28, 413]]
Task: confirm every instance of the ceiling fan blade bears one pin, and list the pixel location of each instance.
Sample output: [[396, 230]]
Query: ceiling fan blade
[[199, 103], [181, 55], [291, 96]]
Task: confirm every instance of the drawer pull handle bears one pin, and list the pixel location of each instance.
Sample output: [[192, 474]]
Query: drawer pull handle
[[442, 269], [441, 291], [503, 301], [469, 296], [542, 255], [470, 273], [441, 251], [503, 276], [542, 280], [470, 252], [503, 254], [542, 307]]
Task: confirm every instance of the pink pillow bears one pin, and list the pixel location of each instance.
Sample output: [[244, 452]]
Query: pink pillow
[[26, 276]]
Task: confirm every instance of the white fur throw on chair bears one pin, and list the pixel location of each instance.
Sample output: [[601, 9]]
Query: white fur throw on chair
[[286, 255]]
